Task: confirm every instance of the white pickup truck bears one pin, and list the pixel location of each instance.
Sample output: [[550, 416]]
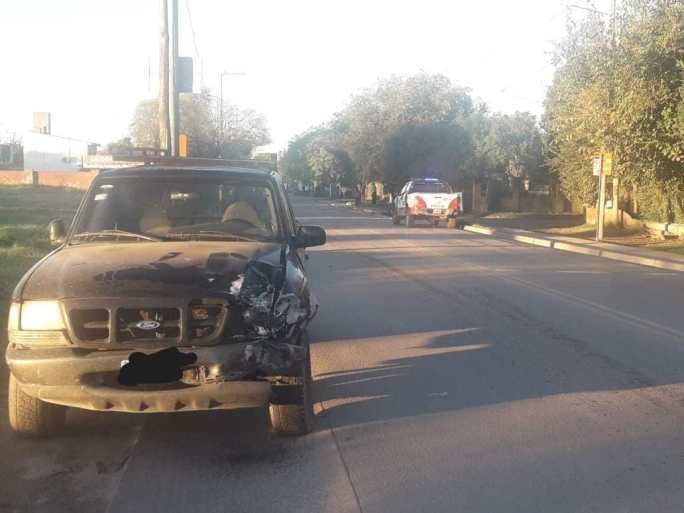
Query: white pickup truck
[[427, 199]]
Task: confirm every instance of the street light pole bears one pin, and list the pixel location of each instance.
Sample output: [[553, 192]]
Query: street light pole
[[601, 208], [601, 220], [572, 6], [220, 109], [601, 211]]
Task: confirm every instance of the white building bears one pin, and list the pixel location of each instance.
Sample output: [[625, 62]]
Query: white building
[[46, 152]]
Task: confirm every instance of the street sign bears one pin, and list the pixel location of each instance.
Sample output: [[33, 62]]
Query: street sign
[[184, 74], [607, 164], [596, 165]]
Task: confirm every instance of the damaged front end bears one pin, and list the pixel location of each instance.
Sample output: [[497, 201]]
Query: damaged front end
[[270, 309], [275, 315]]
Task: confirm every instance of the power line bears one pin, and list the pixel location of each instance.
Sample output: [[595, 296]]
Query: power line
[[194, 40]]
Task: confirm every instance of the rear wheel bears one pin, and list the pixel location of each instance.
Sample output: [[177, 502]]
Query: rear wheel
[[30, 416], [294, 416]]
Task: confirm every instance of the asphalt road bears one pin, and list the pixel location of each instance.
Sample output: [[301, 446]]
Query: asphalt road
[[453, 372]]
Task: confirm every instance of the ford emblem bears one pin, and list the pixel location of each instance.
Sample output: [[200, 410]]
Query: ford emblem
[[148, 325]]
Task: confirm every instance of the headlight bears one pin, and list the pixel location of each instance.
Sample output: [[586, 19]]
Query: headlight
[[41, 316]]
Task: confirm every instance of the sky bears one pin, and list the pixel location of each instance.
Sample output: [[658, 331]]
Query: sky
[[89, 62]]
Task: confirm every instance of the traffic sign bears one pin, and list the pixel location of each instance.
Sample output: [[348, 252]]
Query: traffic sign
[[607, 164], [596, 165]]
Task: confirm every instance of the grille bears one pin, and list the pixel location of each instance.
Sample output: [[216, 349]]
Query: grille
[[203, 319], [129, 320], [154, 322], [90, 324]]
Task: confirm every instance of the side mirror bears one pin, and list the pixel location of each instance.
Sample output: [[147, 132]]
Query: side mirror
[[57, 232], [308, 236]]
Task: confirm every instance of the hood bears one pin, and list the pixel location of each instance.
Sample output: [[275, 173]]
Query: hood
[[145, 269]]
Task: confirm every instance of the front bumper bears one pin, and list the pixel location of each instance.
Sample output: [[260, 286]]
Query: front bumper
[[225, 376]]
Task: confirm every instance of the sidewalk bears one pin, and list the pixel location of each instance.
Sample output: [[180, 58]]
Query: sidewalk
[[633, 255]]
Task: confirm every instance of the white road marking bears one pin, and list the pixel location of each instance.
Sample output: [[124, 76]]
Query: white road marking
[[583, 272], [625, 317]]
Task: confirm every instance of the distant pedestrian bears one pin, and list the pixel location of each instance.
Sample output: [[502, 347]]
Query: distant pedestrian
[[374, 193]]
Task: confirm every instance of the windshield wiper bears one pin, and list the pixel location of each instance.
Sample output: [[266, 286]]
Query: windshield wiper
[[210, 234], [114, 233]]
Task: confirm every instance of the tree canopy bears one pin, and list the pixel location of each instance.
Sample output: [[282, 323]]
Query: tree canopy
[[244, 129], [418, 125], [621, 92]]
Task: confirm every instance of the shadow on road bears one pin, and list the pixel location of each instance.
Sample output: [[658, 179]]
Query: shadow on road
[[421, 339]]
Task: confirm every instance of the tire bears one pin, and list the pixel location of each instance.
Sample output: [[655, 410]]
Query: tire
[[410, 221], [29, 416], [295, 418], [435, 223], [452, 223], [395, 219]]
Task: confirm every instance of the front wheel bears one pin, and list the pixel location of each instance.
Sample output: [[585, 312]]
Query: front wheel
[[30, 416], [294, 416]]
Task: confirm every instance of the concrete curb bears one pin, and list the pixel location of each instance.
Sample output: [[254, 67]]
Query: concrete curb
[[479, 229], [576, 248], [535, 241]]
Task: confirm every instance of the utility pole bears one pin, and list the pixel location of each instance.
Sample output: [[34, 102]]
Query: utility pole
[[174, 98], [601, 207], [601, 210], [220, 113], [164, 122]]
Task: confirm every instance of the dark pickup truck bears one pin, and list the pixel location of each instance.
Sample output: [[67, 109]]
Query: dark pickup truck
[[174, 289]]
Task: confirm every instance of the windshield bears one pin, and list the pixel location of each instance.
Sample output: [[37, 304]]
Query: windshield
[[137, 210], [431, 187]]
